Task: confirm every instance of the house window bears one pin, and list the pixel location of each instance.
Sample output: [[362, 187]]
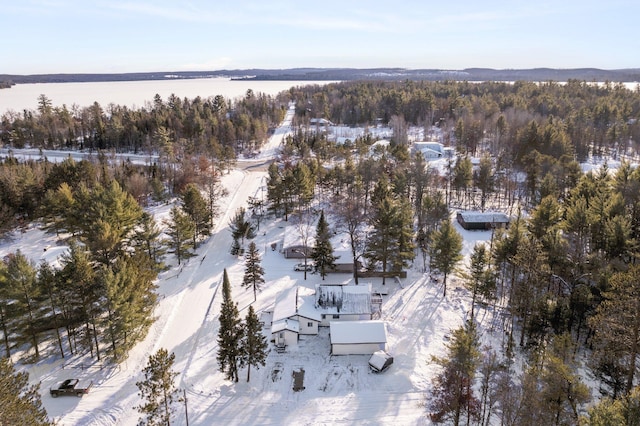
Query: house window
[[282, 334], [336, 316], [323, 316], [309, 324]]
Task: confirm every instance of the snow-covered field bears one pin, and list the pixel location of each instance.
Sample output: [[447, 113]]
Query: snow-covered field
[[338, 389]]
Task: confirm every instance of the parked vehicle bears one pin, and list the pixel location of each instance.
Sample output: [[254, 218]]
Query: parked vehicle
[[302, 267], [70, 387], [380, 361]]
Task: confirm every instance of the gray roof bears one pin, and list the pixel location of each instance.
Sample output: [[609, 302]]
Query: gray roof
[[484, 217], [343, 299], [345, 332]]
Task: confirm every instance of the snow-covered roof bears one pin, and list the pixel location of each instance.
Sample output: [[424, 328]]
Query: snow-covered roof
[[486, 217], [432, 146], [430, 153], [344, 332], [343, 299], [295, 301], [285, 324]]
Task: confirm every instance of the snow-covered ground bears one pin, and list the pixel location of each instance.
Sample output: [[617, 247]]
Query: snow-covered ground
[[338, 389]]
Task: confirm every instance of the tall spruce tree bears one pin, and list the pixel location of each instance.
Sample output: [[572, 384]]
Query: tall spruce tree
[[253, 271], [158, 391], [230, 333], [20, 403], [254, 343], [322, 252], [446, 245]]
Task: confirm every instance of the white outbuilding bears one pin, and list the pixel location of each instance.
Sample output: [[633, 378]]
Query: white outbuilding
[[357, 337]]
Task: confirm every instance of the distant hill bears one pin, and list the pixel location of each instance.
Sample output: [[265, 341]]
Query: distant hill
[[468, 74]]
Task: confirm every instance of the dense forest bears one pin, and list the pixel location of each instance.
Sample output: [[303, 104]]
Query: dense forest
[[562, 276]]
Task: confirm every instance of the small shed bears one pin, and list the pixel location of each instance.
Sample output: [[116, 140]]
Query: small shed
[[474, 220], [357, 337]]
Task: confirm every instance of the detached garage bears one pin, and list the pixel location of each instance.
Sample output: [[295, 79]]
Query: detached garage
[[357, 337]]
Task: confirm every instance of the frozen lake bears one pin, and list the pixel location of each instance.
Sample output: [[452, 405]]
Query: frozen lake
[[134, 94]]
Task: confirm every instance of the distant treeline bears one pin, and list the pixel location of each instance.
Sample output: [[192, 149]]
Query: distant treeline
[[346, 74]]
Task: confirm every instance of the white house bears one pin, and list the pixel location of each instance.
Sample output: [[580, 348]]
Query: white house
[[430, 150], [294, 314], [433, 150], [357, 337], [300, 310]]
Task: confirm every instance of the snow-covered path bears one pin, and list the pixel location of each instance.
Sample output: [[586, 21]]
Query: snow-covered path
[[183, 315]]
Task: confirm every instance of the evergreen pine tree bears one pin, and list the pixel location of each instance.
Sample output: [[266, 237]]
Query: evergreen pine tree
[[254, 343], [275, 189], [48, 286], [108, 220], [195, 206], [230, 333], [322, 252], [148, 241], [380, 242], [452, 394], [158, 390], [446, 245], [241, 229], [130, 295], [20, 403], [479, 280], [404, 236], [181, 231], [253, 272], [83, 295], [26, 298], [617, 331], [613, 412]]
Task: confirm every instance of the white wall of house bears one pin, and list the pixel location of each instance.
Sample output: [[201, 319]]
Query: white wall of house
[[356, 348], [285, 337], [307, 326], [327, 318]]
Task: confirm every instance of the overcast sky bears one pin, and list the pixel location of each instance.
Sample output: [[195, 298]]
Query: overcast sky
[[95, 36]]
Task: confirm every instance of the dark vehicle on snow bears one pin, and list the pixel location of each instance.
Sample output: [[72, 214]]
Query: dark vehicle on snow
[[70, 387]]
